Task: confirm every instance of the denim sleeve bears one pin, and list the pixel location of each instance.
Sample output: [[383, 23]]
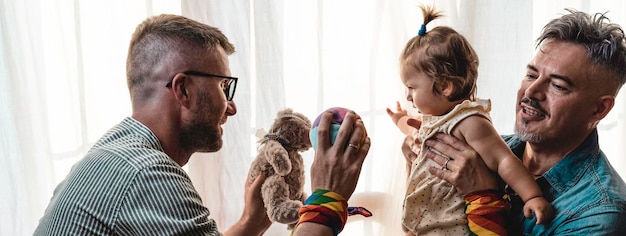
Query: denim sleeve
[[602, 220]]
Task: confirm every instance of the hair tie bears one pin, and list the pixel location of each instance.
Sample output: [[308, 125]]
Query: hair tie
[[422, 30]]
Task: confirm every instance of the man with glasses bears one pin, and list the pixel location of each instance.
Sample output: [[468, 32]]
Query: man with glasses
[[131, 181]]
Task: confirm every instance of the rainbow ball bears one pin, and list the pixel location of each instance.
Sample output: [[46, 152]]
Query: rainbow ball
[[338, 114]]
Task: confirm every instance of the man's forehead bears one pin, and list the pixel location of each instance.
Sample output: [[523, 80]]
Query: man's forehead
[[562, 58]]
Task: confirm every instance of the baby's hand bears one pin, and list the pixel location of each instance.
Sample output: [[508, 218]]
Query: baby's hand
[[396, 116], [543, 210]]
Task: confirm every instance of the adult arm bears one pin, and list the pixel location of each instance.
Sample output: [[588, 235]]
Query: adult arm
[[336, 168]]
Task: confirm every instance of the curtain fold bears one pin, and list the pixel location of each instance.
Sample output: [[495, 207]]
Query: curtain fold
[[62, 70]]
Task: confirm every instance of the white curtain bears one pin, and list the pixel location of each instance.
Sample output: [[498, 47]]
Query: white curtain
[[62, 82]]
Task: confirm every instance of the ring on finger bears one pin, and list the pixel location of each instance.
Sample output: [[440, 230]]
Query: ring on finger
[[353, 146], [445, 165]]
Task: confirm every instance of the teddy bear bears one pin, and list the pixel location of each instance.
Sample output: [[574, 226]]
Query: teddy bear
[[279, 159]]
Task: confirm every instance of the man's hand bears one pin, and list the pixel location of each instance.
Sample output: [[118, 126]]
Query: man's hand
[[460, 164], [337, 167], [254, 220]]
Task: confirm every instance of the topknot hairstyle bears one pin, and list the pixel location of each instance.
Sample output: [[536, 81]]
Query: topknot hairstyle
[[444, 55]]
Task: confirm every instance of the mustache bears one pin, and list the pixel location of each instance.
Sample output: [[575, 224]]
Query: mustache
[[533, 103]]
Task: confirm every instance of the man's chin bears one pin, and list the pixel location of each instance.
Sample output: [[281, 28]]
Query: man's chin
[[214, 147], [207, 150], [528, 136]]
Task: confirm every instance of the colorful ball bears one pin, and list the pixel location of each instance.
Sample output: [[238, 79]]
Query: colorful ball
[[338, 114]]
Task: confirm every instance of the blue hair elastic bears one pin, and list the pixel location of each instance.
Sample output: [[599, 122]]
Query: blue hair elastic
[[422, 30]]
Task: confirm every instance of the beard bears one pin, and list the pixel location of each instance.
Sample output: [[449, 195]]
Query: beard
[[520, 124], [201, 134], [525, 136]]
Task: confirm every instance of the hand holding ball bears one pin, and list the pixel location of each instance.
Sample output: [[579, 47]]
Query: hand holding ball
[[338, 114]]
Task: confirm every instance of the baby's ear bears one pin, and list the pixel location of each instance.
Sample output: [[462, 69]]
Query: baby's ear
[[446, 88]]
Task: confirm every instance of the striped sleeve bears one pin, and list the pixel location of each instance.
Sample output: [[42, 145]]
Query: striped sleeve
[[162, 200]]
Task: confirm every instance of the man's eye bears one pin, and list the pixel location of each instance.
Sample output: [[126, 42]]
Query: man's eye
[[558, 87]]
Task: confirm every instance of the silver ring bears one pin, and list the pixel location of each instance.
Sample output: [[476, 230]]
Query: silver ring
[[445, 165], [353, 146]]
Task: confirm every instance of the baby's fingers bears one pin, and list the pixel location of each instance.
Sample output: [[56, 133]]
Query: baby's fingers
[[390, 112], [528, 213], [540, 218]]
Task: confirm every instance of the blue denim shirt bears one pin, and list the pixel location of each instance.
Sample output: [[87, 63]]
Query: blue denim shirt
[[587, 193]]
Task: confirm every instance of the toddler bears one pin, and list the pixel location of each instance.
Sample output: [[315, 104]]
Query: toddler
[[439, 70]]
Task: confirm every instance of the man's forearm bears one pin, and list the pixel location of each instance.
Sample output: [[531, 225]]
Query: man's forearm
[[312, 229]]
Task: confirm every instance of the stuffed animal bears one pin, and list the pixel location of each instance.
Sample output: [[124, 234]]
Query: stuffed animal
[[279, 159]]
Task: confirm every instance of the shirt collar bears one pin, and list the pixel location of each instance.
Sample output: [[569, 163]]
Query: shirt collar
[[567, 172], [138, 129]]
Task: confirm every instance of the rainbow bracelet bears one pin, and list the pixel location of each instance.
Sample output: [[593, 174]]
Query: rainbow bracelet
[[325, 207]]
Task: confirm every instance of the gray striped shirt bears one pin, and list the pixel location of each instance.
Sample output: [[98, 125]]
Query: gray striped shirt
[[126, 185]]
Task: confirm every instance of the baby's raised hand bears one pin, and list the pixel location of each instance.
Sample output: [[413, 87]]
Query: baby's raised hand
[[402, 119], [398, 114]]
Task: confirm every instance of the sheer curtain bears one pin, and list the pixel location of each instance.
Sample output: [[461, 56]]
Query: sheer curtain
[[63, 85]]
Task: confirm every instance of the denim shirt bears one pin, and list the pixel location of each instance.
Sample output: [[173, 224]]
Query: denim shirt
[[587, 193]]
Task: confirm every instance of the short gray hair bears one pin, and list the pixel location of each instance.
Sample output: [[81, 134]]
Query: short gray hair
[[605, 42]]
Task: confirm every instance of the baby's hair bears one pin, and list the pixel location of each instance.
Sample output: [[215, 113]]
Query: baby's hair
[[443, 55], [429, 14]]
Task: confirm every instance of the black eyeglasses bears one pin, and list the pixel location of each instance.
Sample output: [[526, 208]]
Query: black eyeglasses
[[228, 85]]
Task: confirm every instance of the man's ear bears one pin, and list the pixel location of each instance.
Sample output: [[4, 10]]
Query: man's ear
[[179, 89], [603, 106]]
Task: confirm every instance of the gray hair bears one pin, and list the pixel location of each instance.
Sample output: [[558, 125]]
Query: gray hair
[[605, 41]]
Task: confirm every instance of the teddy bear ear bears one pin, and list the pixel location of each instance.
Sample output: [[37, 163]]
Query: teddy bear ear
[[260, 133]]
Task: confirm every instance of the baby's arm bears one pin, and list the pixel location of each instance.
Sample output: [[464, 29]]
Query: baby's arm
[[480, 134]]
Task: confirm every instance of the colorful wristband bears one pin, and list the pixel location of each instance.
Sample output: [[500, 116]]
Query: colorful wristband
[[325, 207]]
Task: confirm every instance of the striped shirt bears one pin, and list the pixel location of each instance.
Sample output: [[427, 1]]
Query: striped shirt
[[126, 185]]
